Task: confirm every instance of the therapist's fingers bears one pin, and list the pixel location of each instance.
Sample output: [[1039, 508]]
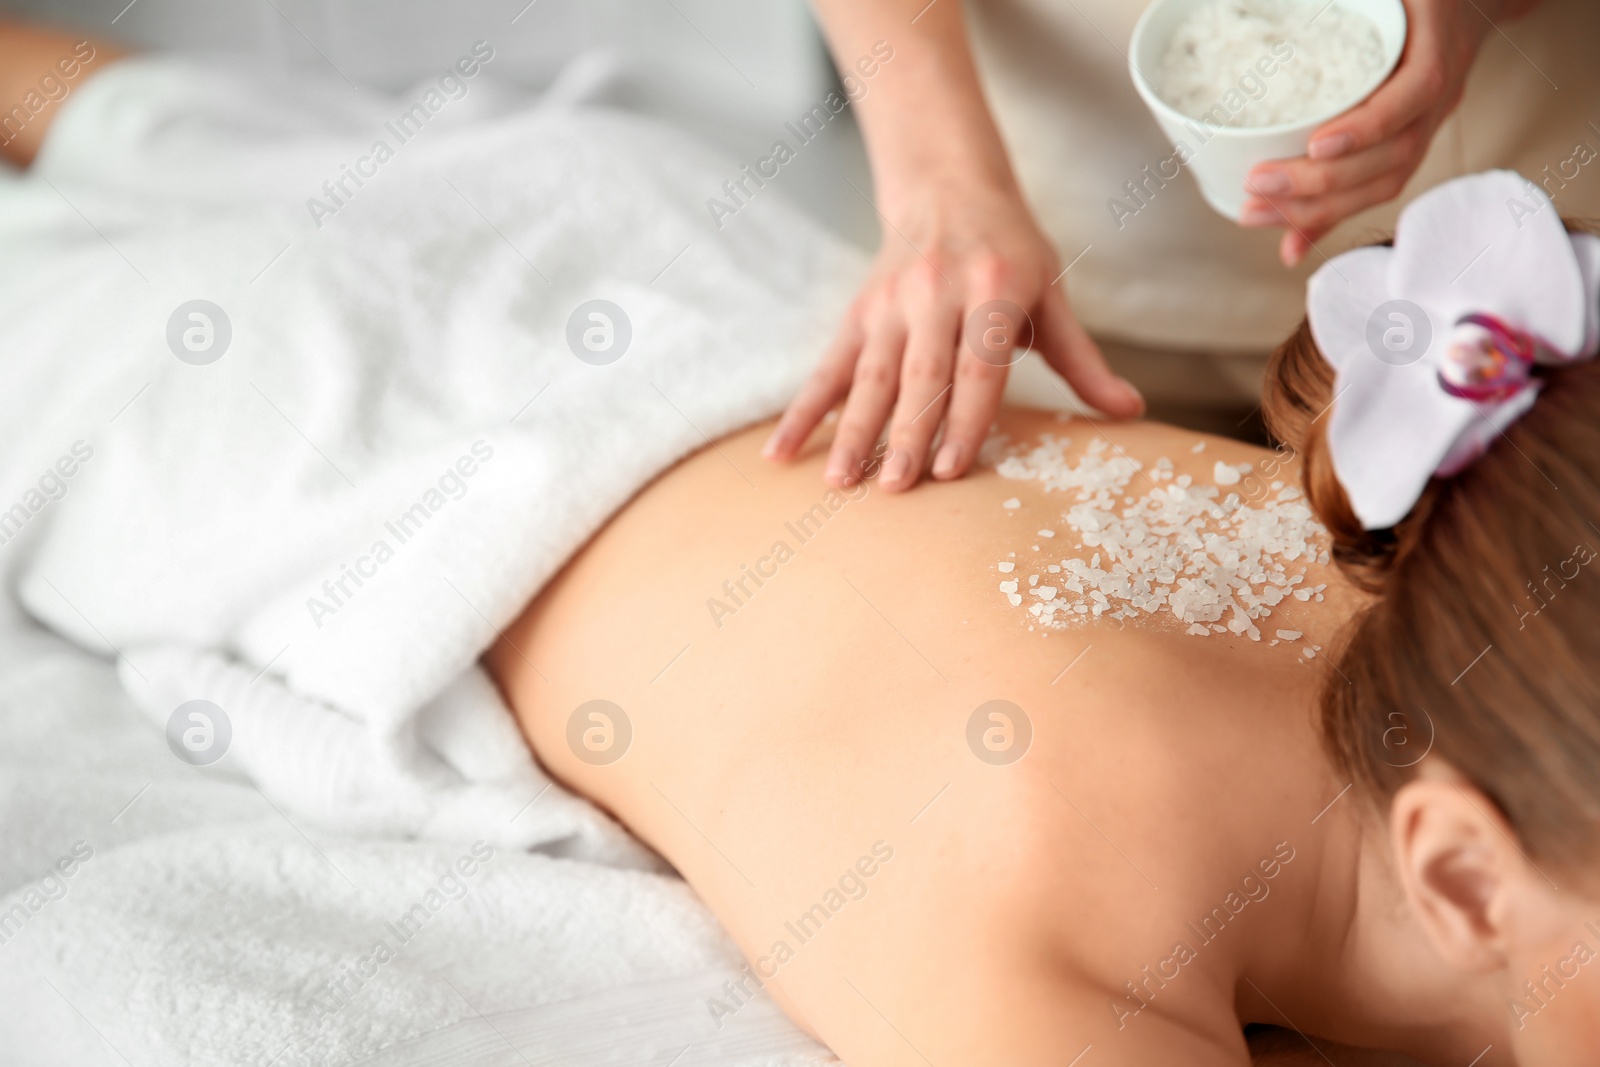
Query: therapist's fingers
[[1367, 155], [974, 400], [1419, 84], [1375, 176], [995, 330], [829, 382], [925, 386], [1288, 179], [1292, 247], [1067, 346], [872, 392], [1310, 219]]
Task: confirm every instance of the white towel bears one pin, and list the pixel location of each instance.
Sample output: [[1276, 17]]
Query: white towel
[[178, 518], [399, 399]]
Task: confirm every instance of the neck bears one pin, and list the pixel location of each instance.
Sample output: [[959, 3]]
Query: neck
[[1351, 965]]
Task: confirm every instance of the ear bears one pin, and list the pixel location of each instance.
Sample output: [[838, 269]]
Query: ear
[[1460, 865]]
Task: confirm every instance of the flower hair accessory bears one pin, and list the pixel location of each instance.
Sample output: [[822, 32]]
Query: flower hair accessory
[[1434, 341]]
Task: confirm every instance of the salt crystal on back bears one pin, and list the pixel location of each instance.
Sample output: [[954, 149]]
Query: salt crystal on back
[[1177, 551]]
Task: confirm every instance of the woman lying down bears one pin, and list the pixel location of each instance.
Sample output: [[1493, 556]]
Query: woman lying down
[[1133, 739], [1109, 748]]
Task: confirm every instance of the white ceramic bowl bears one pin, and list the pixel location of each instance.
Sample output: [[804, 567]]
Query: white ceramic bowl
[[1221, 156]]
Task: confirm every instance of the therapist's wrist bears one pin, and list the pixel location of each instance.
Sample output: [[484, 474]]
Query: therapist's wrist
[[897, 197], [951, 172], [951, 220], [926, 134]]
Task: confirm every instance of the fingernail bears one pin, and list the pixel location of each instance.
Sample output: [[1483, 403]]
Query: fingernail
[[1256, 213], [944, 465], [1133, 394], [1269, 183], [1330, 147], [770, 449], [837, 470], [895, 468]]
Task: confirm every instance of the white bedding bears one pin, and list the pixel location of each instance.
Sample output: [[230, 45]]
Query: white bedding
[[233, 913]]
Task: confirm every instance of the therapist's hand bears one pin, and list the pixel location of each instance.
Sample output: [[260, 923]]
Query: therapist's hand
[[928, 342], [932, 334], [1366, 156]]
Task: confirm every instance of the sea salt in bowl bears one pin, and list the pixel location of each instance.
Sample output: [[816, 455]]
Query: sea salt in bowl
[[1229, 93]]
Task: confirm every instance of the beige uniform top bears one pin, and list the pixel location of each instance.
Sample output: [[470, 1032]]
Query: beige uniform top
[[1174, 274]]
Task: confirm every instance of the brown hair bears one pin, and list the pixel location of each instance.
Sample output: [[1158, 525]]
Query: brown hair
[[1455, 654]]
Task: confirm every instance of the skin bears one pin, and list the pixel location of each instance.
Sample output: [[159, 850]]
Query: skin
[[829, 713], [1419, 928], [959, 235], [1367, 155], [29, 54]]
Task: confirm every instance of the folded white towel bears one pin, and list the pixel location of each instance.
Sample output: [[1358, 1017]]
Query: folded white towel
[[400, 374], [322, 529]]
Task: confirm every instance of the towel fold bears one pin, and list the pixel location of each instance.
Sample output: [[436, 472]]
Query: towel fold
[[292, 469], [393, 430]]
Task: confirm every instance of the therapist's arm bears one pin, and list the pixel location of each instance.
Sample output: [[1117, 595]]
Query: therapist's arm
[[1367, 155], [956, 235], [39, 69]]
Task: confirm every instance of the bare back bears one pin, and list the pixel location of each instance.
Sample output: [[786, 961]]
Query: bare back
[[807, 731]]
